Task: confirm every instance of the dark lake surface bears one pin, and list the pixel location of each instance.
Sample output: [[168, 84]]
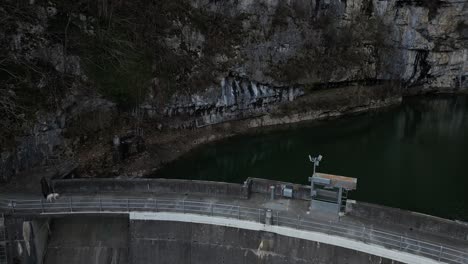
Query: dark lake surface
[[413, 156]]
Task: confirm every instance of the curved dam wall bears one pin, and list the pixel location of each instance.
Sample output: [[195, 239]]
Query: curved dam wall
[[372, 214], [116, 240], [408, 220], [178, 242]]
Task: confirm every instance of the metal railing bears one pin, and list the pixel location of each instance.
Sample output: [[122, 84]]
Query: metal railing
[[118, 205]]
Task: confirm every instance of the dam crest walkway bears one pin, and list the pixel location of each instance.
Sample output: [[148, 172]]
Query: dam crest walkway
[[370, 240]]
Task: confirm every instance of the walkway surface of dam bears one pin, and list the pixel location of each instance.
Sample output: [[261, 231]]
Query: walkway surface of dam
[[287, 217]]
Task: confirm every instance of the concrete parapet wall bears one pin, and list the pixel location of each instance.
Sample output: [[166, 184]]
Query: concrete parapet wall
[[411, 220], [177, 242], [209, 188], [151, 185], [364, 212], [257, 185]]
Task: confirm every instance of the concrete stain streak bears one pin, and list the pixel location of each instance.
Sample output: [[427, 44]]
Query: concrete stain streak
[[259, 252], [27, 236], [20, 248]]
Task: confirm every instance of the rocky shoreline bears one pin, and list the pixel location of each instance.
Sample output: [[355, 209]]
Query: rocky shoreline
[[164, 146], [167, 144]]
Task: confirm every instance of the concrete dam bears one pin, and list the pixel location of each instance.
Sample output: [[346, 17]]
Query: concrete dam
[[143, 92], [182, 221]]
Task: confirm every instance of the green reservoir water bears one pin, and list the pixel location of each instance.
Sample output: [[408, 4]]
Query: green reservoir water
[[413, 156]]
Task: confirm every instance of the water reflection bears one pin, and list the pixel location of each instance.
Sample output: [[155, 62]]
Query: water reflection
[[412, 156]]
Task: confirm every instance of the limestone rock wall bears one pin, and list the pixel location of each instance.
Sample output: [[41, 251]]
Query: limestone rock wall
[[288, 48], [234, 99]]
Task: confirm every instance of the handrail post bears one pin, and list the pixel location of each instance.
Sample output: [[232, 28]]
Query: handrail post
[[260, 215], [71, 208], [211, 208], [401, 242], [238, 212], [13, 205], [277, 218], [440, 252], [100, 204], [156, 204]]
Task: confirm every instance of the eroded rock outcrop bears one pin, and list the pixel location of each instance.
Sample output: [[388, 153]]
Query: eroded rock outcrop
[[235, 99]]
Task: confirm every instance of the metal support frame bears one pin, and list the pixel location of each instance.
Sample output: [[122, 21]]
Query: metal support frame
[[328, 191], [316, 162], [340, 194]]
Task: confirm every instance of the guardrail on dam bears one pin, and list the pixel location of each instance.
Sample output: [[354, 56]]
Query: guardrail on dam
[[86, 205]]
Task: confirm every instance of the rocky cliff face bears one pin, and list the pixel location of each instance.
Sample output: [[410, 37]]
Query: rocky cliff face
[[52, 137], [313, 44], [234, 99], [65, 67]]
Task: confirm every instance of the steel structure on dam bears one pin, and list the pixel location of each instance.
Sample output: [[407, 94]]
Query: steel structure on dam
[[372, 241]]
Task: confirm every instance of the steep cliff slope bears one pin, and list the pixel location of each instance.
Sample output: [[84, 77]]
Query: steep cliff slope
[[311, 45], [69, 68]]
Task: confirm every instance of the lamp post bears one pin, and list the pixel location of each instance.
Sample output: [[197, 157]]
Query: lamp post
[[316, 162]]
